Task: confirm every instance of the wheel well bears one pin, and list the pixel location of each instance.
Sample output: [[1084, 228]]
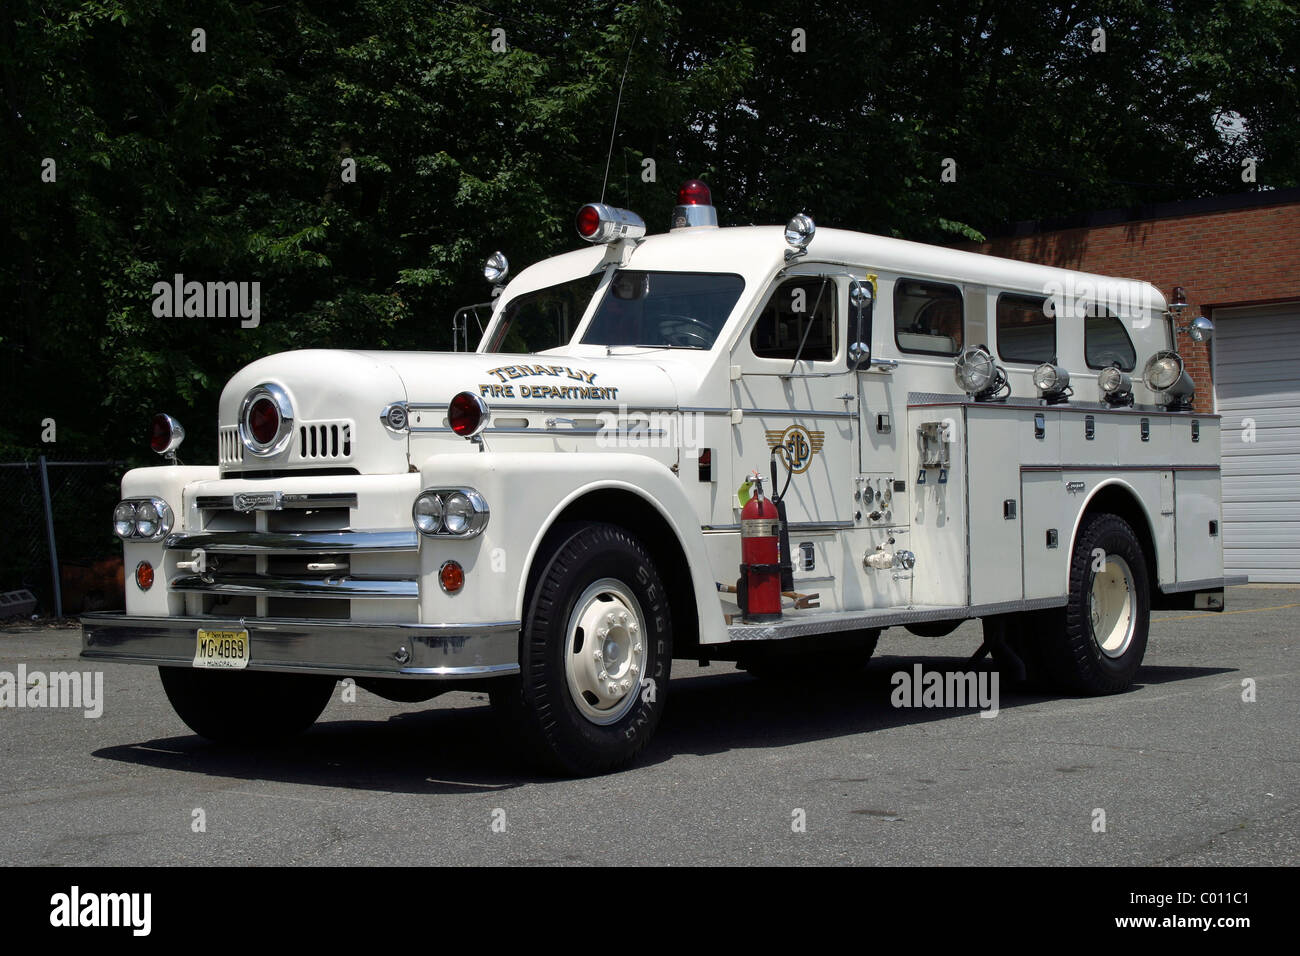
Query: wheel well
[[1119, 501], [637, 516]]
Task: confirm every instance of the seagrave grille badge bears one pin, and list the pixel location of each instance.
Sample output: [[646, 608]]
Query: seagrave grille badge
[[257, 501]]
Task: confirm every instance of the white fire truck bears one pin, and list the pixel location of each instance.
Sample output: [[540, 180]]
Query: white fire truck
[[746, 444]]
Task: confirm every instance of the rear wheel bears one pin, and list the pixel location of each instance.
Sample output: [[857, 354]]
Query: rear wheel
[[1099, 639], [594, 656], [245, 707]]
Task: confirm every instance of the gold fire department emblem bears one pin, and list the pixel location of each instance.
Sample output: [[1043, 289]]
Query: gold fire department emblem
[[796, 445]]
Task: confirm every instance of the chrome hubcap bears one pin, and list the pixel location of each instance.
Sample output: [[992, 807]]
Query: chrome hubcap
[[605, 654], [1111, 609]]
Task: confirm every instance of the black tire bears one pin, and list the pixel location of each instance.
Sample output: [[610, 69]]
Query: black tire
[[246, 707], [539, 706], [803, 659], [1071, 653]]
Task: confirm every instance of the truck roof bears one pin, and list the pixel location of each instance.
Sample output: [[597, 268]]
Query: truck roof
[[755, 250]]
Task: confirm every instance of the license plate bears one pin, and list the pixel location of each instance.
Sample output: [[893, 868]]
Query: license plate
[[221, 649]]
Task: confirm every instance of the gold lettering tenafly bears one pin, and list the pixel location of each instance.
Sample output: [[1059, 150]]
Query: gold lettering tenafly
[[506, 372]]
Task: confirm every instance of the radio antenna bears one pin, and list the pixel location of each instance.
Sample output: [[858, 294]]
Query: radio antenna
[[618, 103]]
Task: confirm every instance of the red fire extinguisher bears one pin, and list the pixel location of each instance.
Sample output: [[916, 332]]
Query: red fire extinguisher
[[760, 569]]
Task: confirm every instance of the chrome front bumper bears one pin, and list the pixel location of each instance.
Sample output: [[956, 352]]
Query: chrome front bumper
[[342, 648]]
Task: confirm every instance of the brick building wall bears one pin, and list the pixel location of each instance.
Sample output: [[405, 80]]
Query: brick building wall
[[1230, 251]]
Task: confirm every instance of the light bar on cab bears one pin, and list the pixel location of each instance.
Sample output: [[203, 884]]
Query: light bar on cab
[[600, 223]]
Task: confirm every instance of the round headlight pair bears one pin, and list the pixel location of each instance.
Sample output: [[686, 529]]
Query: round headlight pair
[[459, 512], [142, 519]]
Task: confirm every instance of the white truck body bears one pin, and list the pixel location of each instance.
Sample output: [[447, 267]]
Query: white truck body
[[597, 432]]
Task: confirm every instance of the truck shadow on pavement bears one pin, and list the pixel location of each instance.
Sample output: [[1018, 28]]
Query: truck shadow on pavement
[[463, 749]]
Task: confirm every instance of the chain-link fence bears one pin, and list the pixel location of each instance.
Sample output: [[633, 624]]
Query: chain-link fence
[[59, 517]]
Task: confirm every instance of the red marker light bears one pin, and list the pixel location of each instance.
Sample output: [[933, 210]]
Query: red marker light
[[264, 421], [160, 433], [694, 193], [467, 414], [588, 221], [452, 577], [144, 575]]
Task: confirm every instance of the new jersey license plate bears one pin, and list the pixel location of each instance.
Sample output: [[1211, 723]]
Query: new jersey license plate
[[221, 649]]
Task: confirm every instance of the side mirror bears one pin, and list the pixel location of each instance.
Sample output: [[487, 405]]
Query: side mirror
[[1201, 329], [861, 299], [860, 295]]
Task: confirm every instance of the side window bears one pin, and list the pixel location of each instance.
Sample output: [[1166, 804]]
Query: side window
[[1106, 342], [798, 320], [1026, 329], [927, 317]]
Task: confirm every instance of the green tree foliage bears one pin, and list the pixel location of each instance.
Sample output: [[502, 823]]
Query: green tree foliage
[[226, 165]]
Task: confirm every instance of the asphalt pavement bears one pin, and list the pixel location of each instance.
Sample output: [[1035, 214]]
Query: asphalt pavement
[[1180, 770]]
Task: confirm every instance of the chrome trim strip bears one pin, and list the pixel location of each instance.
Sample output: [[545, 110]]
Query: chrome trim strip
[[835, 621], [266, 585], [1116, 468], [291, 542], [287, 500], [298, 645], [795, 527], [797, 413], [1205, 584]]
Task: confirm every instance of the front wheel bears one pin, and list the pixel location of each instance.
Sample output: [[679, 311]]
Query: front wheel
[[245, 707], [1099, 638], [594, 656]]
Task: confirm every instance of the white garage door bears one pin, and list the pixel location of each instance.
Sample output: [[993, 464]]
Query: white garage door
[[1257, 372]]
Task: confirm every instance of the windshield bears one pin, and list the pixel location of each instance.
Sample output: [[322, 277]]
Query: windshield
[[544, 319], [664, 309]]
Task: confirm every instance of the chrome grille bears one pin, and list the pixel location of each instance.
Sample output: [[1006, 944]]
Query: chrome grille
[[324, 441], [230, 450]]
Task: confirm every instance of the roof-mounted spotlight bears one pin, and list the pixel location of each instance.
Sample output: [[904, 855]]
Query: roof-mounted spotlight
[[799, 231], [1053, 383], [496, 268], [1165, 373], [1200, 329], [1116, 387], [598, 222], [978, 375]]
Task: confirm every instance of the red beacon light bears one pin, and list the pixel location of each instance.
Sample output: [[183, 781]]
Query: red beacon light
[[598, 222], [165, 435], [694, 207]]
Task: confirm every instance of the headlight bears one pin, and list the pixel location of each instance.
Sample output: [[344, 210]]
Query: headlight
[[450, 512], [124, 519], [974, 370], [459, 513], [427, 512], [142, 519], [1162, 370]]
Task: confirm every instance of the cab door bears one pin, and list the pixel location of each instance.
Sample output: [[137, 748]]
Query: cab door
[[796, 400]]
